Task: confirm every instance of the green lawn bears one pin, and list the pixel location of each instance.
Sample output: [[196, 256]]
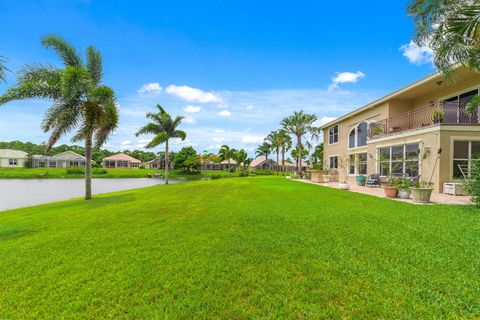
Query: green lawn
[[56, 173], [256, 247]]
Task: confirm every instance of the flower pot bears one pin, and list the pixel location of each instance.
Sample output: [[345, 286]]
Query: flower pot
[[422, 195], [343, 185], [390, 192], [361, 180], [404, 193]]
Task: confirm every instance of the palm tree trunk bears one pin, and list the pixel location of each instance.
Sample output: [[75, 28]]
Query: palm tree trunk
[[167, 164], [276, 166], [299, 154], [228, 167], [283, 160], [88, 167]]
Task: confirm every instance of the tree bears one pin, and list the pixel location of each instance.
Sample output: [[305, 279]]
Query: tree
[[241, 158], [263, 150], [285, 142], [186, 158], [3, 68], [295, 155], [80, 101], [300, 124], [317, 156], [226, 154], [164, 128], [275, 140]]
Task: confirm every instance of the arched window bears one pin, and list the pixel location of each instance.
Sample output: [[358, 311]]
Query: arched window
[[351, 139], [362, 134]]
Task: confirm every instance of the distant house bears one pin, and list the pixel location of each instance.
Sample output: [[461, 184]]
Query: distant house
[[211, 165], [62, 160], [12, 158], [292, 167], [225, 165], [158, 164], [121, 160], [262, 163]]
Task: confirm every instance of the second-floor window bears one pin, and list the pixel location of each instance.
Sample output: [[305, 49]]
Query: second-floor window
[[333, 134], [358, 135]]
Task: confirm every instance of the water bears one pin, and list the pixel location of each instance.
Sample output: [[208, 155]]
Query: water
[[17, 193]]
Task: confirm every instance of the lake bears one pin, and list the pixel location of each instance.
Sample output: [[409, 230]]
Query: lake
[[17, 193]]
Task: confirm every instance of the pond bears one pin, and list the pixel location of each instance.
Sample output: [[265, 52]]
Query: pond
[[17, 193]]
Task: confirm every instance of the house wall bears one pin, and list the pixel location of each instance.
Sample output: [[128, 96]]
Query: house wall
[[4, 162]]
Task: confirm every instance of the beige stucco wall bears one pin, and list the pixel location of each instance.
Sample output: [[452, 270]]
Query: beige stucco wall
[[4, 163]]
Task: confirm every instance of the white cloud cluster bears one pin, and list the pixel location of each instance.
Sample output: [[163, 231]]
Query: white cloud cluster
[[252, 139], [224, 113], [192, 94], [345, 77], [153, 88], [417, 55], [192, 109], [189, 120], [323, 120]]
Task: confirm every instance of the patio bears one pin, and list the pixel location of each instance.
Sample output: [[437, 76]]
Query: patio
[[437, 198]]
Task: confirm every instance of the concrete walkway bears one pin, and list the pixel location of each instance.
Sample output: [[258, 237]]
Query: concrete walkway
[[437, 198]]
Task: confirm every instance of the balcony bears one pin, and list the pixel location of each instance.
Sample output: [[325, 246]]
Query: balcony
[[445, 113]]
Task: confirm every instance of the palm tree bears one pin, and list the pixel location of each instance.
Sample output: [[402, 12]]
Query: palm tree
[[80, 101], [274, 139], [264, 150], [3, 68], [285, 142], [164, 128], [226, 154], [300, 124], [241, 158]]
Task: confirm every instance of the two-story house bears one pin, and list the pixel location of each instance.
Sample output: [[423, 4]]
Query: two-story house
[[419, 130]]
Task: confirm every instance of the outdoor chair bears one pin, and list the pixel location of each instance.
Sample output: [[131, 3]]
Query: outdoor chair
[[373, 181]]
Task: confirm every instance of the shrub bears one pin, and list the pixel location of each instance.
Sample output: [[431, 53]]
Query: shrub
[[215, 176], [262, 172], [99, 171], [78, 170], [472, 184]]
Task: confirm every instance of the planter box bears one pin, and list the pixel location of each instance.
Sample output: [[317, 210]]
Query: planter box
[[316, 176], [390, 192], [454, 188], [422, 195], [404, 194], [361, 180]]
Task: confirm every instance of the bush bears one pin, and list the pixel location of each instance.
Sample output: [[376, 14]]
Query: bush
[[99, 171], [243, 173], [215, 176], [262, 172], [78, 170], [472, 184]]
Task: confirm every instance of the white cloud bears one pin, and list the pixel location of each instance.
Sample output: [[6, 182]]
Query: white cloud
[[219, 131], [323, 120], [249, 107], [252, 139], [144, 141], [140, 146], [224, 113], [192, 94], [214, 147], [126, 142], [153, 87], [192, 109], [126, 147], [189, 120], [417, 55], [345, 77]]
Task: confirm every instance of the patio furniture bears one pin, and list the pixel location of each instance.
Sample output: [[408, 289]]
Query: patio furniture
[[453, 188], [373, 181]]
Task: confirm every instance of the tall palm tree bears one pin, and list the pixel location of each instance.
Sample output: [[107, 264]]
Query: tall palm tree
[[226, 154], [275, 140], [285, 142], [164, 128], [3, 68], [264, 150], [300, 124], [80, 101], [241, 158]]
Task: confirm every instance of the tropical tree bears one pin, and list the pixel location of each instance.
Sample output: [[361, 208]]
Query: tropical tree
[[164, 128], [226, 154], [317, 156], [285, 142], [3, 68], [451, 28], [241, 158], [80, 101], [275, 141], [264, 150], [300, 124]]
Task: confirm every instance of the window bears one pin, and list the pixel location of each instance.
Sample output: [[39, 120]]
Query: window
[[358, 135], [463, 154], [333, 134], [399, 160], [333, 162], [362, 163], [12, 162], [351, 139], [455, 108], [52, 164], [351, 164]]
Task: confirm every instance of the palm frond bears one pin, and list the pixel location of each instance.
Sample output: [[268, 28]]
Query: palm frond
[[149, 128], [158, 139], [65, 50], [3, 68], [179, 134], [473, 105], [94, 65]]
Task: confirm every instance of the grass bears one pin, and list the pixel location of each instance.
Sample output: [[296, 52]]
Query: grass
[[61, 173], [259, 247]]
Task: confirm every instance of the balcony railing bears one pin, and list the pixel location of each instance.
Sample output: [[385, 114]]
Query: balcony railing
[[450, 113]]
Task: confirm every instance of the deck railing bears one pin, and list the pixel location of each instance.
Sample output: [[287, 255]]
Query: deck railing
[[450, 113]]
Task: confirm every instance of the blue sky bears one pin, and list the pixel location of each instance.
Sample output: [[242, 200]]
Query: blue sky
[[233, 68]]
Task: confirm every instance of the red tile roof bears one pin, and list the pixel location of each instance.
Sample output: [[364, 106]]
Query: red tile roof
[[123, 156]]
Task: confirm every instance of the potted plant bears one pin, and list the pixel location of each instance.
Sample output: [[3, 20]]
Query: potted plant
[[361, 180], [404, 189], [390, 188], [438, 116], [422, 192], [377, 130]]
